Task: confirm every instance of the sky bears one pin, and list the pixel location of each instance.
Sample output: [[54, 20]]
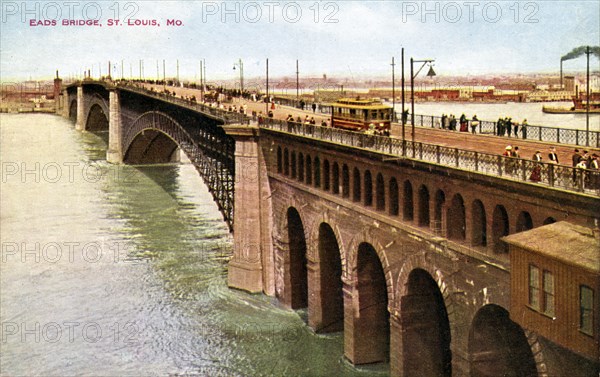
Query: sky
[[337, 38]]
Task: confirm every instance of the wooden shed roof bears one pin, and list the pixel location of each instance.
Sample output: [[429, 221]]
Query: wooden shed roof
[[569, 243]]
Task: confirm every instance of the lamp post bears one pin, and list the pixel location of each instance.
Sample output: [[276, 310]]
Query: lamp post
[[267, 98], [587, 97], [393, 90], [431, 73], [240, 64]]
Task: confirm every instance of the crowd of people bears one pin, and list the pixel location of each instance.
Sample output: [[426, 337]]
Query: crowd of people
[[586, 166], [503, 127]]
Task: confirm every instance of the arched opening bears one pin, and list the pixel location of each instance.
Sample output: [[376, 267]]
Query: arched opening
[[297, 260], [345, 181], [279, 160], [73, 111], [309, 172], [498, 346], [379, 193], [286, 162], [407, 202], [423, 206], [335, 171], [524, 222], [326, 176], [499, 229], [479, 224], [356, 192], [151, 147], [549, 220], [330, 278], [440, 200], [368, 189], [294, 166], [456, 219], [372, 322], [317, 168], [97, 120], [301, 167], [426, 327], [394, 201]]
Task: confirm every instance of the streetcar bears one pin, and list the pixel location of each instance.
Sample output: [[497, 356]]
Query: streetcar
[[363, 115]]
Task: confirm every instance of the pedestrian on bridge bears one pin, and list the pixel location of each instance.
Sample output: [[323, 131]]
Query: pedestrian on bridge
[[536, 173], [474, 124]]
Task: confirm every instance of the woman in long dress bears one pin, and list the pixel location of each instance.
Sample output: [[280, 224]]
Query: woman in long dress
[[536, 173]]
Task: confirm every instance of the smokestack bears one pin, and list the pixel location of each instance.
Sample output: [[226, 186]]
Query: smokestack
[[57, 73], [561, 75]]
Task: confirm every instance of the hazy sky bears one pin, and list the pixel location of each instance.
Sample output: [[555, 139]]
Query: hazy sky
[[350, 38]]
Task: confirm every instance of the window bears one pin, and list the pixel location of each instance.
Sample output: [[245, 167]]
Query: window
[[548, 287], [586, 313], [534, 287]]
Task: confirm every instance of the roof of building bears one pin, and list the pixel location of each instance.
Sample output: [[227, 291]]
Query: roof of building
[[569, 243], [370, 104]]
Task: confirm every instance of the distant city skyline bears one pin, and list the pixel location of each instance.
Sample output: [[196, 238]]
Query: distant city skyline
[[354, 39]]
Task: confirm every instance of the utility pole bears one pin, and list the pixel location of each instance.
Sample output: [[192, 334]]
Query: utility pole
[[297, 81], [403, 118], [267, 98], [393, 90]]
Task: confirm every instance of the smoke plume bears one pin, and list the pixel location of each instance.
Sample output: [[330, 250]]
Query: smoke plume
[[577, 52]]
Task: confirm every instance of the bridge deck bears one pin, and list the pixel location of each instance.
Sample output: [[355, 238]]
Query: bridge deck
[[472, 142]]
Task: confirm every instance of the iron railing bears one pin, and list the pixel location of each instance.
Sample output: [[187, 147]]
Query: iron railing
[[550, 175], [531, 132]]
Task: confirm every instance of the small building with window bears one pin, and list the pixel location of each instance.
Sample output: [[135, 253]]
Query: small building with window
[[555, 285]]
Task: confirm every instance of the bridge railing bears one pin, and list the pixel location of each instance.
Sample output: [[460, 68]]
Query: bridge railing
[[227, 117], [536, 133], [558, 176]]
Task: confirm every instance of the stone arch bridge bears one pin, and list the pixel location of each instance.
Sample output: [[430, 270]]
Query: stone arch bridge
[[403, 255]]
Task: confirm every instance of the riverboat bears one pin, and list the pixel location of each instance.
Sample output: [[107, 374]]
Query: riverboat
[[579, 106], [361, 115]]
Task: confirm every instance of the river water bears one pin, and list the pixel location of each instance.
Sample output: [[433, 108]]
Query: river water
[[121, 271], [516, 110]]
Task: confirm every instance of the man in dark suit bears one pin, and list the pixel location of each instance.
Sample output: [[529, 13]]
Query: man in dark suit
[[552, 156]]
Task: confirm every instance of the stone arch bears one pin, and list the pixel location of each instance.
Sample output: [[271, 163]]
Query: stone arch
[[379, 193], [335, 171], [294, 165], [499, 346], [97, 115], [366, 236], [394, 201], [309, 172], [326, 278], [73, 110], [368, 187], [297, 261], [500, 228], [438, 211], [326, 175], [317, 174], [281, 241], [407, 202], [279, 160], [549, 220], [524, 222], [423, 200], [345, 181], [286, 161], [419, 261], [357, 184], [301, 167], [478, 224], [370, 317], [456, 219]]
